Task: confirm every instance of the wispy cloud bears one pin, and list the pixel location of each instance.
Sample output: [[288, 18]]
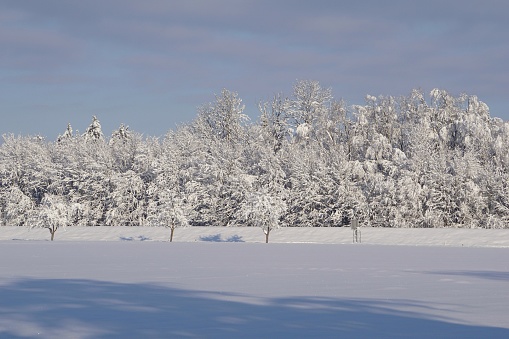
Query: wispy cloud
[[189, 50]]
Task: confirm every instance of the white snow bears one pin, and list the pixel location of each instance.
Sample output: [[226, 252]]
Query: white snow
[[321, 235], [213, 282]]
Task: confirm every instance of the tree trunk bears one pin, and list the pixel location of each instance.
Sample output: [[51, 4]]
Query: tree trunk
[[171, 233], [52, 230], [267, 236]]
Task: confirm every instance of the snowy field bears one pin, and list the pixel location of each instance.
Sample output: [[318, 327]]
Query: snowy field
[[121, 282], [319, 235]]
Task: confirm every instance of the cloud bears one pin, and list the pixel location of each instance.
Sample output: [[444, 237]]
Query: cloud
[[189, 50], [33, 48]]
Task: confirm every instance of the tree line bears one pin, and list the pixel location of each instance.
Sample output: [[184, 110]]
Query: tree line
[[308, 160]]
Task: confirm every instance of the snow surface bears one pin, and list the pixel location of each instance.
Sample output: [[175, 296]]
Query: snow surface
[[125, 282], [320, 235]]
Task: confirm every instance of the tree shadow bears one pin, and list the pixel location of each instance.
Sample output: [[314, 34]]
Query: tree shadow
[[218, 238], [140, 238], [235, 238], [64, 308], [211, 238], [491, 275]]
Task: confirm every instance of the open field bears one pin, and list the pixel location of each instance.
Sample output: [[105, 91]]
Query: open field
[[321, 235], [212, 287]]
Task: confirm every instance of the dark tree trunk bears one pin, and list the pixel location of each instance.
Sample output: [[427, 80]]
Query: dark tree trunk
[[171, 233], [52, 231], [267, 236]]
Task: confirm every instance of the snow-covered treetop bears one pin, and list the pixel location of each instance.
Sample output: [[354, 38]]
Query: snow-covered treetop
[[67, 134], [94, 131], [121, 134], [224, 117], [310, 101]]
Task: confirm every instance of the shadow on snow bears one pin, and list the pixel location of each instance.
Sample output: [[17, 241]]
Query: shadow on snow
[[140, 238], [98, 309], [490, 275], [218, 238]]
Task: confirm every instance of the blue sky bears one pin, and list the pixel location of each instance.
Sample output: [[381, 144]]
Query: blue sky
[[150, 64]]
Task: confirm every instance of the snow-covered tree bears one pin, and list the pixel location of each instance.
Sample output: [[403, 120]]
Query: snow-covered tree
[[122, 134], [224, 117], [172, 211], [309, 102], [66, 135], [273, 121], [125, 147], [391, 162], [126, 203], [26, 164], [264, 210], [308, 107], [18, 208], [53, 213], [94, 131], [222, 137]]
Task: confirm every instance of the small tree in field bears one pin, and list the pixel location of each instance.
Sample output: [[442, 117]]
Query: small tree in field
[[264, 210], [176, 217], [171, 211], [53, 214]]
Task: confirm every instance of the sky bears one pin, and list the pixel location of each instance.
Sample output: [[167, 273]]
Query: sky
[[151, 64]]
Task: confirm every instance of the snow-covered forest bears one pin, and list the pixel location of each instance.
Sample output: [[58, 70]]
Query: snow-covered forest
[[421, 160]]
